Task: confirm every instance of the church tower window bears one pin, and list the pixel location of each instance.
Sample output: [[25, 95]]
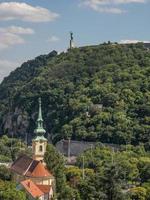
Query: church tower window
[[40, 148]]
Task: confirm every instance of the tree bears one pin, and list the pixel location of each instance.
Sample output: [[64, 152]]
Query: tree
[[90, 189], [69, 194], [138, 193], [8, 191], [144, 168], [5, 174], [55, 163], [111, 183], [74, 175], [147, 187], [67, 131]]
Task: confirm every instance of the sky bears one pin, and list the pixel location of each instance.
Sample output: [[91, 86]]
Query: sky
[[29, 28]]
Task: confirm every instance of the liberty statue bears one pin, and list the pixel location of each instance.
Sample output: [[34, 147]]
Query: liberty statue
[[71, 40]]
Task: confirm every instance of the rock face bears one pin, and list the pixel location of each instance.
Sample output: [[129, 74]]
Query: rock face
[[16, 123]]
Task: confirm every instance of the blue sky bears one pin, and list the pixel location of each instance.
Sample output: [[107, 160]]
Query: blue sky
[[29, 28]]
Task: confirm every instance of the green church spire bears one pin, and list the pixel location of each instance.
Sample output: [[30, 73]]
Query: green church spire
[[40, 130]]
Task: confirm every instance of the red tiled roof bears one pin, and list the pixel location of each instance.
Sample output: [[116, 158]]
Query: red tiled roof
[[29, 167], [31, 188], [44, 188], [38, 171]]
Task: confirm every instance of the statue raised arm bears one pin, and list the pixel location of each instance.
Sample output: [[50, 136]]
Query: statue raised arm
[[71, 35]]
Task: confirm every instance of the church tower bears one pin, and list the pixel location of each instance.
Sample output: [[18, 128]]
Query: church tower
[[39, 143]]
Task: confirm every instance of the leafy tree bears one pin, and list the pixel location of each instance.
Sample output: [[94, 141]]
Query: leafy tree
[[90, 189], [5, 173], [74, 175], [138, 193], [69, 193], [55, 163], [8, 191], [147, 187], [11, 148], [144, 168], [111, 183]]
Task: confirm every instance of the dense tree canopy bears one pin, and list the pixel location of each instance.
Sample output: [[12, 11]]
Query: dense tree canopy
[[118, 174], [95, 93], [103, 174]]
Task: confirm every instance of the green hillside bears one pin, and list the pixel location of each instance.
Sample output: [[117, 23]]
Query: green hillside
[[95, 93]]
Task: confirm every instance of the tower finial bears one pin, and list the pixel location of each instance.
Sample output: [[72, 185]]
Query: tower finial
[[40, 110], [40, 130]]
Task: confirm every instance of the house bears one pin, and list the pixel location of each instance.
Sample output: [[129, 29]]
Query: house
[[42, 192], [27, 168], [31, 173]]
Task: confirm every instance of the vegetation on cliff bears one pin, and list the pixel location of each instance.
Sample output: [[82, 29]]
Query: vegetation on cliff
[[95, 93]]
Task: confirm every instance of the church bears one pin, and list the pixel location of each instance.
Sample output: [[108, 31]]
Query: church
[[31, 174]]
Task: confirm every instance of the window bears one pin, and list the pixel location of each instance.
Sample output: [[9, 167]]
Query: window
[[40, 148]]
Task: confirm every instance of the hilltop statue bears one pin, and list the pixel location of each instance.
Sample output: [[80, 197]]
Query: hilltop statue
[[71, 35], [71, 40]]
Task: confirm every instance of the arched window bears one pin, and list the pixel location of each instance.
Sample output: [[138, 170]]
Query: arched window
[[40, 148]]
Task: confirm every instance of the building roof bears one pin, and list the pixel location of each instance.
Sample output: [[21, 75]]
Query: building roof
[[22, 164], [32, 188], [38, 170], [39, 138], [26, 166], [44, 188]]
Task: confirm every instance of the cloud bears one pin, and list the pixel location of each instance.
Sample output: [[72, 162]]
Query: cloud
[[6, 67], [132, 41], [17, 30], [53, 39], [25, 12], [8, 39], [12, 35], [108, 6], [103, 9]]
